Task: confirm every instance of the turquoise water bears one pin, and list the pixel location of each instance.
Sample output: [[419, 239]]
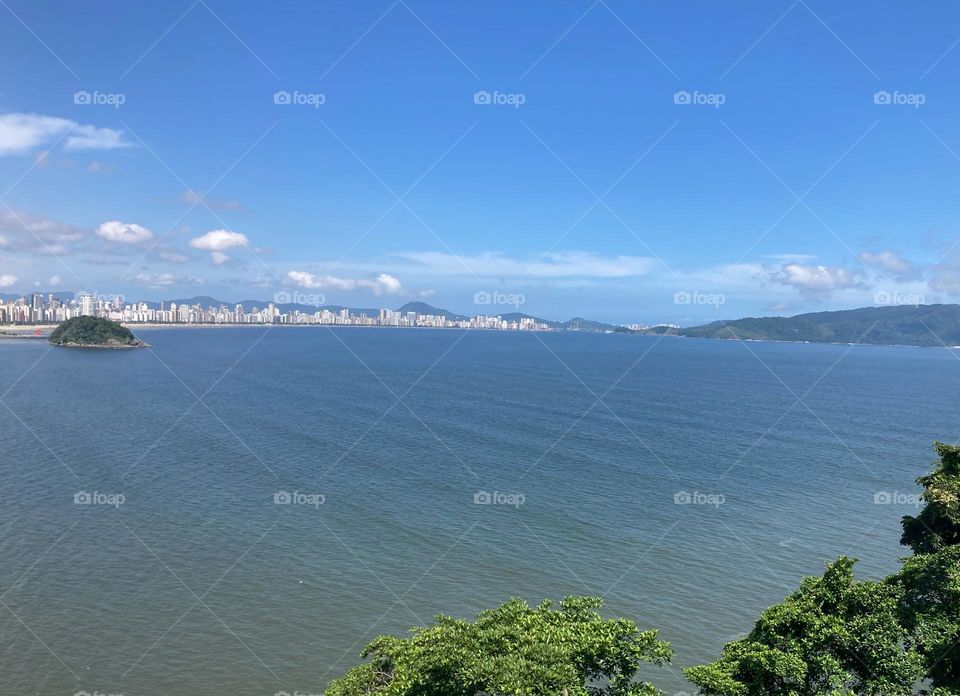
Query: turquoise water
[[197, 582]]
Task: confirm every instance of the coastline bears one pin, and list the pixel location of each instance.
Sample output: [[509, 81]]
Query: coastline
[[20, 332]]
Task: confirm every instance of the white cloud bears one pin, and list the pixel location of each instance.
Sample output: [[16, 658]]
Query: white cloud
[[164, 280], [37, 235], [93, 138], [172, 256], [217, 242], [551, 265], [887, 261], [6, 280], [54, 281], [817, 279], [21, 133], [124, 232], [386, 283], [382, 284]]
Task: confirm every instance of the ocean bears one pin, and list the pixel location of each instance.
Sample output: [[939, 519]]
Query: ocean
[[240, 510]]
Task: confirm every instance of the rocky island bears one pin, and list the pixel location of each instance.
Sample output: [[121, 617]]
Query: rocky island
[[91, 332]]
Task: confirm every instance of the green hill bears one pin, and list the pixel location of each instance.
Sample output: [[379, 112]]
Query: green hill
[[91, 332], [923, 325]]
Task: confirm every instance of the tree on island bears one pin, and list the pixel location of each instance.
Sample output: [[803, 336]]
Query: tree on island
[[513, 649], [94, 332]]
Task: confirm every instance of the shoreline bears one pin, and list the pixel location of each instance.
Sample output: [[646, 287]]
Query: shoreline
[[20, 332]]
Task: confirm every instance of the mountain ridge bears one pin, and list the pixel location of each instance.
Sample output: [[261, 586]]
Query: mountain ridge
[[911, 325]]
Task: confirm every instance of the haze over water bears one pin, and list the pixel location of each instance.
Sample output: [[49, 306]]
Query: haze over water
[[691, 483]]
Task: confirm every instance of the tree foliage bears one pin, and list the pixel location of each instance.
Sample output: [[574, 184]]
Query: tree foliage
[[513, 649], [91, 331], [837, 636], [938, 524], [834, 635]]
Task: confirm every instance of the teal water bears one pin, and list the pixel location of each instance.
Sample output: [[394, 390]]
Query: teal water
[[198, 583]]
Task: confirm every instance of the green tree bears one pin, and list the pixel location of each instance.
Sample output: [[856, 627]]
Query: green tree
[[834, 635], [513, 649], [931, 613], [938, 524]]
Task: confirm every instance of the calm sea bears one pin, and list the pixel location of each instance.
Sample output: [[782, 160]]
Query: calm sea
[[239, 511]]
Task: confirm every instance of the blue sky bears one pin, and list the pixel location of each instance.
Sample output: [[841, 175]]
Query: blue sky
[[815, 166]]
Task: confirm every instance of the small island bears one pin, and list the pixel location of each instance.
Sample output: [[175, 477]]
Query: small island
[[92, 332]]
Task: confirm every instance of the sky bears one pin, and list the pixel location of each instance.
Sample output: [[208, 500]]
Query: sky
[[664, 161]]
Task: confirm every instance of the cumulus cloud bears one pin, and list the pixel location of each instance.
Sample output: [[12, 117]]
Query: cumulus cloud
[[6, 280], [888, 261], [54, 281], [382, 284], [817, 279], [20, 133], [123, 232], [217, 242]]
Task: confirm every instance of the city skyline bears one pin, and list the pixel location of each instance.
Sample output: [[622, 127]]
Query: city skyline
[[50, 308]]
